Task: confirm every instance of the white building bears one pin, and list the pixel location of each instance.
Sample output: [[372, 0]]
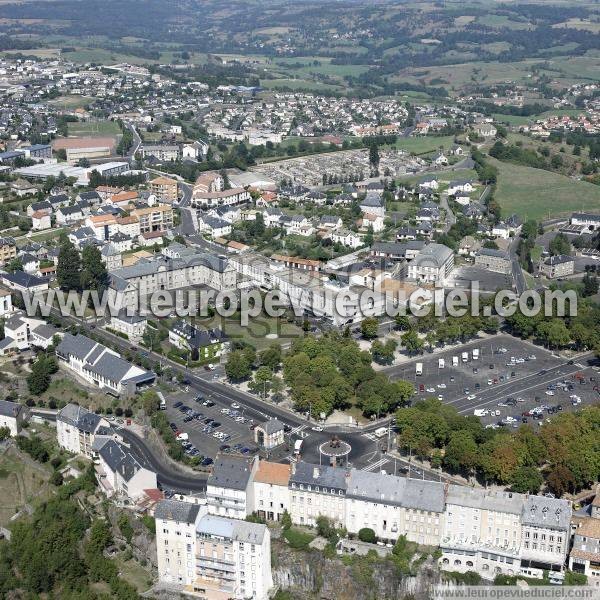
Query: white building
[[229, 486], [12, 415], [432, 264], [133, 326], [76, 428], [119, 472], [101, 367], [270, 490]]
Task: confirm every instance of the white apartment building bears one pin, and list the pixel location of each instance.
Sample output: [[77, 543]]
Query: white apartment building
[[102, 367], [230, 485], [233, 559], [76, 428], [133, 326], [392, 506], [176, 541], [211, 557], [317, 490]]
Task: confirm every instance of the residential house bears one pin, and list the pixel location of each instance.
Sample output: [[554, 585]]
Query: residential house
[[432, 265], [76, 428], [133, 326], [12, 416], [496, 261], [40, 221], [271, 493], [555, 267], [208, 343], [347, 238], [165, 189]]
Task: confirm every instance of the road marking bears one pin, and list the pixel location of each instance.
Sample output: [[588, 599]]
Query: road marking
[[298, 429], [370, 436], [376, 465]]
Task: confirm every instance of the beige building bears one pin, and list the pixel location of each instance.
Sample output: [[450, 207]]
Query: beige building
[[555, 267], [496, 261], [165, 189], [270, 491], [154, 218], [8, 250]]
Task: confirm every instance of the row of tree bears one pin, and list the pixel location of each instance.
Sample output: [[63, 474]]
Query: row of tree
[[565, 452]]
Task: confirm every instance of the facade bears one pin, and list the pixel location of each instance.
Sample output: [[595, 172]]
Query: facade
[[163, 152], [76, 428], [585, 551], [12, 415], [165, 189], [220, 198], [496, 261], [8, 250], [233, 559], [176, 541], [555, 267], [432, 265], [129, 284], [154, 218], [229, 486], [270, 490], [269, 434], [101, 367], [133, 326], [118, 472]]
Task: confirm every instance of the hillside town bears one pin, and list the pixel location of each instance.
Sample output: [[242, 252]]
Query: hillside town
[[354, 429]]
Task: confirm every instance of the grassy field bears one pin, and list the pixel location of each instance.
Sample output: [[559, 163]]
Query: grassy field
[[538, 194], [91, 128], [424, 144], [72, 102]]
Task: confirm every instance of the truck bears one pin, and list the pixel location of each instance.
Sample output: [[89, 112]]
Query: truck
[[419, 368], [480, 412], [298, 447], [455, 361], [380, 432], [182, 436], [441, 363], [475, 353], [163, 402], [465, 356]]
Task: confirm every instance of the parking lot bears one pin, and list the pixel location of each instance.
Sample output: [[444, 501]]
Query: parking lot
[[510, 377], [210, 427]]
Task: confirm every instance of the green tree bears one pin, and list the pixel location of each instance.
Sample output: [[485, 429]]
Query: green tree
[[150, 402], [286, 520], [4, 433], [560, 245], [41, 371], [526, 479], [271, 357], [402, 322], [68, 268], [238, 365], [412, 342], [94, 275], [369, 328]]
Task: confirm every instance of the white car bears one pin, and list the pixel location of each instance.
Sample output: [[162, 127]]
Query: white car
[[492, 426], [471, 397], [532, 357], [519, 399], [549, 393], [510, 420], [430, 390], [317, 428], [440, 397], [575, 397], [490, 382], [235, 405], [520, 361], [225, 411], [442, 386]]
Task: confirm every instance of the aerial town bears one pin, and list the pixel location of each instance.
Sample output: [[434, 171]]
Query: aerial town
[[297, 341]]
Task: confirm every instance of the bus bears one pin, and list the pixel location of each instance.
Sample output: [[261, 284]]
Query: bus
[[419, 369], [163, 402]]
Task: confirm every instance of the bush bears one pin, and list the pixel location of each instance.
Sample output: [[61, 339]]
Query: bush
[[366, 534], [297, 539]]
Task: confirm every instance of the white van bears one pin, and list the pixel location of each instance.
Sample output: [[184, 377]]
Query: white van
[[465, 356], [419, 369], [441, 363], [380, 432], [455, 361], [475, 353]]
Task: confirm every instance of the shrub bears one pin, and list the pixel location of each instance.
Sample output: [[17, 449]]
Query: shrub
[[366, 534]]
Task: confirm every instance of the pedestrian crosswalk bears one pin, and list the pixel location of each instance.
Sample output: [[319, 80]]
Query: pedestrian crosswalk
[[376, 465], [298, 430]]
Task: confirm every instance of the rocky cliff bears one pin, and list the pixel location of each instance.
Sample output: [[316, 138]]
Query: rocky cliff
[[308, 575]]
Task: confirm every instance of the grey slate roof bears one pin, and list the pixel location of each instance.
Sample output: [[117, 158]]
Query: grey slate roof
[[233, 529], [494, 253], [552, 513], [76, 345], [271, 426], [10, 409], [79, 417], [372, 199], [231, 472], [499, 501], [174, 510], [558, 260], [315, 475], [119, 459]]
